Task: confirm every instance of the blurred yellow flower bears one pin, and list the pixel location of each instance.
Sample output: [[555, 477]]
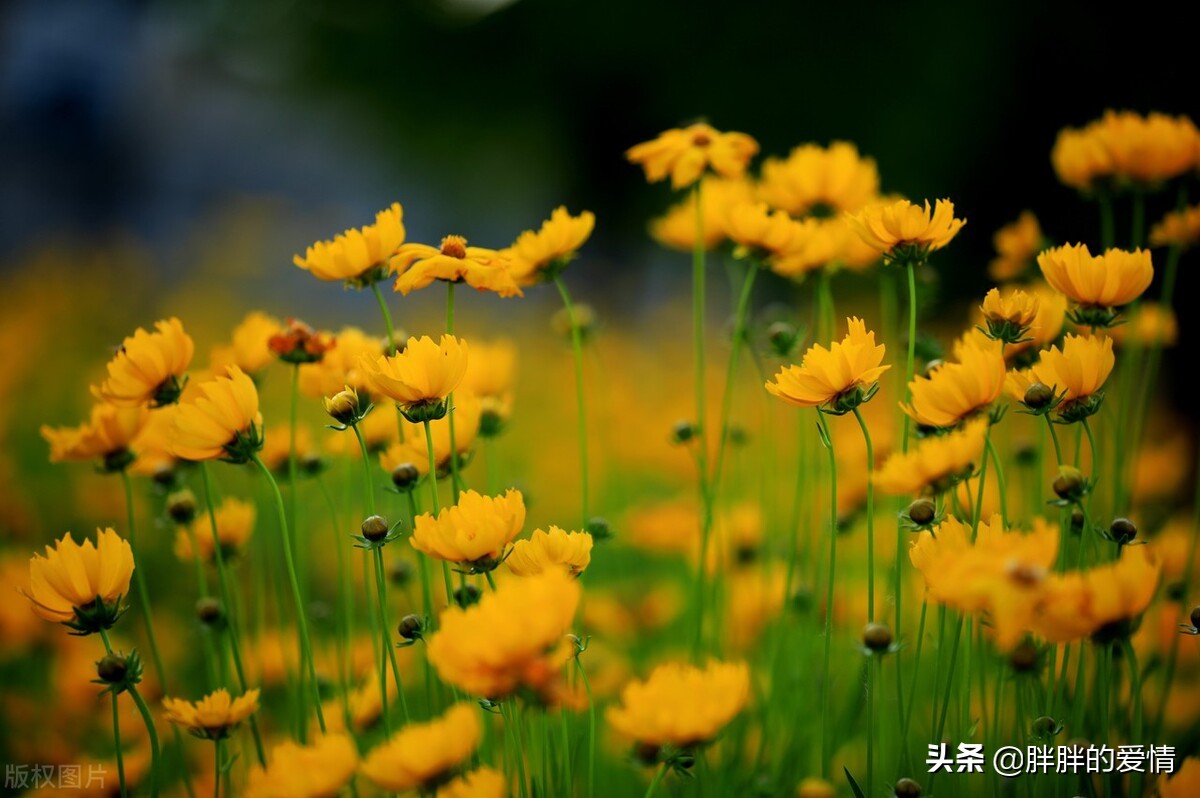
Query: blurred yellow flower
[[546, 550], [222, 422], [153, 444], [1148, 149], [1146, 324], [753, 227], [107, 435], [1017, 244], [341, 365], [1101, 601], [953, 391], [214, 716], [421, 376], [1080, 158], [1111, 280], [468, 413], [680, 704], [483, 782], [249, 348], [536, 256], [82, 585], [424, 754], [358, 256], [474, 532], [418, 265], [718, 195], [1184, 783], [934, 463], [819, 180], [149, 368], [491, 376], [837, 379], [1177, 229], [318, 770], [1046, 326], [235, 524], [1009, 316], [684, 154], [903, 230], [514, 637]]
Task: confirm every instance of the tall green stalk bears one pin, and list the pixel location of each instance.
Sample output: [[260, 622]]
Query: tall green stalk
[[701, 389], [580, 400], [826, 686]]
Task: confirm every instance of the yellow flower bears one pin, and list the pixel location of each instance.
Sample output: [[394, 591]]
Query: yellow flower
[[419, 378], [1184, 783], [1101, 601], [1080, 158], [235, 524], [1077, 372], [250, 348], [681, 704], [670, 527], [418, 265], [819, 243], [570, 551], [815, 179], [677, 228], [1148, 149], [954, 391], [491, 373], [1106, 281], [318, 770], [1177, 229], [514, 637], [222, 422], [903, 230], [153, 444], [1046, 325], [107, 435], [753, 227], [214, 716], [341, 365], [1001, 574], [537, 256], [686, 153], [1009, 316], [934, 463], [482, 782], [468, 411], [813, 787], [476, 531], [82, 586], [358, 257], [837, 379], [149, 367], [1016, 246], [1148, 323], [424, 754]]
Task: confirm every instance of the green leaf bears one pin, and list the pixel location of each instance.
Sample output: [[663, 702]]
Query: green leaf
[[858, 793]]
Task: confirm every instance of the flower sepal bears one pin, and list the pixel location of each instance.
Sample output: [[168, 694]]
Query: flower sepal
[[1097, 317], [118, 672], [848, 401], [168, 391], [245, 445], [428, 410], [99, 615]]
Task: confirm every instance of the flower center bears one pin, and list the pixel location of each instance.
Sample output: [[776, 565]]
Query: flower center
[[454, 247], [1025, 574], [701, 139]]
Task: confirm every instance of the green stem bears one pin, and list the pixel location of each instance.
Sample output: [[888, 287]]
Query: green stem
[[368, 491], [739, 333], [701, 390], [564, 731], [580, 400], [911, 359], [826, 719], [454, 483], [139, 576], [426, 602], [301, 620], [662, 769], [991, 449], [1135, 687], [1058, 458], [231, 621], [591, 766], [293, 492], [117, 741], [871, 524], [387, 317], [345, 617], [217, 768], [385, 638]]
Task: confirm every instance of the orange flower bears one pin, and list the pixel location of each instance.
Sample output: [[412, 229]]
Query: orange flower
[[837, 379], [149, 368], [1106, 281], [537, 256], [814, 179], [357, 257], [107, 436], [1016, 246], [954, 391], [685, 154], [677, 227], [418, 265], [902, 230], [223, 422], [82, 586]]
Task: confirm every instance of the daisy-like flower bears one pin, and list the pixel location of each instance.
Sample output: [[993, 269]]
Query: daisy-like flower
[[340, 365], [1099, 284], [680, 704], [1046, 326], [905, 232], [223, 422], [249, 348], [1080, 158], [482, 782], [235, 524], [1017, 244], [1148, 149], [149, 368], [491, 374], [754, 228], [418, 265], [81, 586], [935, 463], [685, 154], [1103, 602], [953, 391], [214, 716], [357, 257], [515, 637], [538, 256], [475, 532], [819, 180], [413, 450], [1149, 323], [424, 754], [837, 379], [420, 377], [297, 343], [1009, 316], [318, 770], [1076, 373], [107, 436], [545, 550], [1177, 229], [718, 195]]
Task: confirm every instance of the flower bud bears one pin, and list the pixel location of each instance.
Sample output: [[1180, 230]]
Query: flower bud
[[1038, 396], [112, 668], [1195, 617], [375, 528], [1046, 727], [400, 573], [411, 627], [598, 528], [466, 595], [181, 506], [208, 610], [877, 637], [1076, 521], [782, 337], [164, 476], [683, 432], [1070, 484], [922, 512], [646, 753], [1122, 530], [1024, 658], [907, 788], [405, 476], [343, 406]]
